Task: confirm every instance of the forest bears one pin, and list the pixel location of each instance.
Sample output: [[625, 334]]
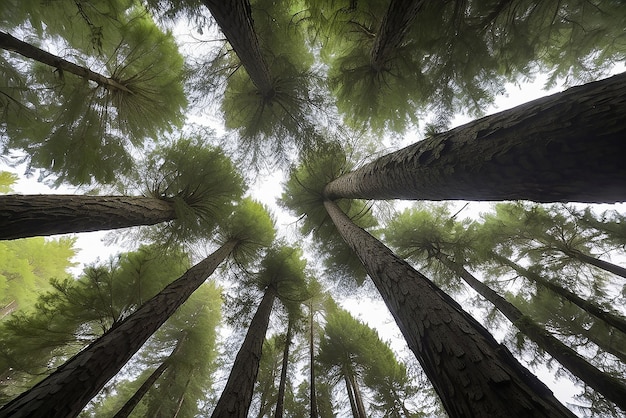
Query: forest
[[312, 208]]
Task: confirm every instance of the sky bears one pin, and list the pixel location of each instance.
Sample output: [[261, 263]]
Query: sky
[[92, 246]]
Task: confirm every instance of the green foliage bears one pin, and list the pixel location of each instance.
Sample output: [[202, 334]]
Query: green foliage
[[6, 181], [303, 196], [283, 268]]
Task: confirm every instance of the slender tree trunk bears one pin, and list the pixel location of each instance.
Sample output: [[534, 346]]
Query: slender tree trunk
[[561, 148], [614, 320], [601, 264], [355, 411], [234, 18], [313, 394], [358, 399], [24, 216], [393, 28], [143, 389], [604, 345], [66, 391], [237, 395], [181, 399], [8, 309], [472, 374], [283, 372], [610, 387], [27, 50]]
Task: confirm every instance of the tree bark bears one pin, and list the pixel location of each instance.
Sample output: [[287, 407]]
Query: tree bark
[[234, 18], [601, 264], [358, 399], [472, 374], [590, 307], [140, 393], [27, 50], [283, 372], [561, 148], [610, 387], [66, 391], [355, 411], [393, 28], [24, 216], [237, 395], [313, 393]]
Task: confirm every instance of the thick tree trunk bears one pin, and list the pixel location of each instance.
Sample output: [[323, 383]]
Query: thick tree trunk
[[237, 395], [393, 28], [353, 408], [283, 372], [313, 393], [27, 50], [611, 388], [66, 391], [140, 393], [601, 264], [561, 148], [24, 216], [472, 374], [234, 18], [590, 307]]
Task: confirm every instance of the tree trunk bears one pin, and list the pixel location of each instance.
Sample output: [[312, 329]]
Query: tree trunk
[[614, 320], [604, 345], [313, 393], [472, 374], [234, 18], [143, 389], [355, 411], [237, 395], [66, 391], [560, 148], [24, 216], [358, 399], [611, 388], [27, 50], [601, 264], [283, 372], [393, 28]]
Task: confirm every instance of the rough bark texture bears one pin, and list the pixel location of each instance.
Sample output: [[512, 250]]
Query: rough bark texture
[[393, 28], [66, 391], [234, 18], [280, 402], [472, 374], [601, 264], [590, 307], [36, 215], [128, 407], [27, 50], [610, 387], [562, 148], [237, 395]]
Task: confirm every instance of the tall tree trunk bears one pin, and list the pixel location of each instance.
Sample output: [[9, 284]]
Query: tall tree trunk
[[560, 148], [140, 393], [181, 399], [234, 18], [472, 374], [313, 393], [24, 216], [610, 387], [601, 264], [614, 320], [355, 411], [66, 391], [237, 395], [280, 402], [604, 345], [27, 50], [358, 399], [393, 28]]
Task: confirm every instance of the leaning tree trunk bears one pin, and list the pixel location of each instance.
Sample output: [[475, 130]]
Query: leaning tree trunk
[[561, 148], [472, 374], [134, 400], [280, 402], [66, 391], [393, 28], [610, 387], [601, 264], [24, 216], [611, 319], [13, 44], [234, 18], [237, 395]]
